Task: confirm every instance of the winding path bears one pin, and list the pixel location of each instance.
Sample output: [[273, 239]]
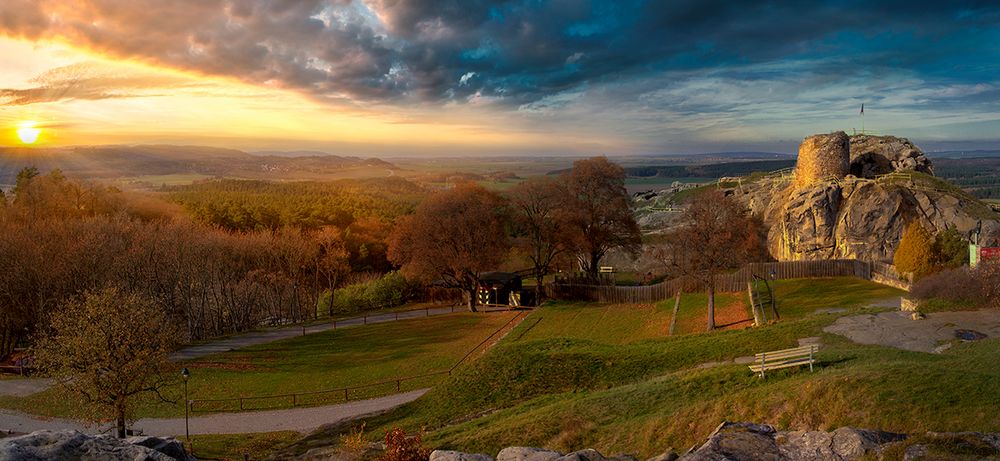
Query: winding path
[[295, 419]]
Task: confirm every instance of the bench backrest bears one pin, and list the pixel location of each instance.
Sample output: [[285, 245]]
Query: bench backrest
[[786, 353]]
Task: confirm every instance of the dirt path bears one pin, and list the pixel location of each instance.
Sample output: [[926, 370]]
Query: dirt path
[[898, 329], [262, 337], [21, 387], [295, 419]]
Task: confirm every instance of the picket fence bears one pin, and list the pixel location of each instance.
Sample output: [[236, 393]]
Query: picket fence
[[735, 281]]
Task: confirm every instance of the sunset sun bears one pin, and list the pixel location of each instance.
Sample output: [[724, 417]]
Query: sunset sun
[[27, 132]]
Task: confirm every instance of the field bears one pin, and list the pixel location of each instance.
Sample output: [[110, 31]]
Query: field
[[607, 377], [334, 359]]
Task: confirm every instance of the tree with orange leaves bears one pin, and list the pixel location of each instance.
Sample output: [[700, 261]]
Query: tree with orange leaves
[[452, 238]]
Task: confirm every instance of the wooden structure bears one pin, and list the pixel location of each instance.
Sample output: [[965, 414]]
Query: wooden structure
[[785, 358]]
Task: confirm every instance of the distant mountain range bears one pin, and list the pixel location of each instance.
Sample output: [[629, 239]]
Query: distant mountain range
[[121, 161]]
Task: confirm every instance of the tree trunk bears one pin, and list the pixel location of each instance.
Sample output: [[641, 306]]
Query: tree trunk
[[711, 306], [471, 297], [120, 422], [539, 288]]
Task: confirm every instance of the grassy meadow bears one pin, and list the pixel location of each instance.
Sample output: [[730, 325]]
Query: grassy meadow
[[351, 356]]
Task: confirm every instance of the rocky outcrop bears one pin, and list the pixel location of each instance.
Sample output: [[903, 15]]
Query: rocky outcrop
[[820, 216], [876, 155], [821, 157], [747, 441], [47, 445], [751, 442]]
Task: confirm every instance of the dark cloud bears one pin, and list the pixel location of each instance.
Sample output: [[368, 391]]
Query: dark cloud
[[515, 51]]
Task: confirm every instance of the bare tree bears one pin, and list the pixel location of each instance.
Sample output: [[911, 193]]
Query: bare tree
[[717, 234], [452, 238], [109, 348], [602, 215], [542, 225]]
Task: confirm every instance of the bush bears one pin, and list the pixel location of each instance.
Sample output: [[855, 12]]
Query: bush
[[950, 249], [400, 447], [390, 290], [915, 253], [960, 285]]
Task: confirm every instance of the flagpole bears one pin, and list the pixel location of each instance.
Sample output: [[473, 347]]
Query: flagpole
[[862, 118]]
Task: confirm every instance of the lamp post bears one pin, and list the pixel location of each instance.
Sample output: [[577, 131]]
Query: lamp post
[[185, 374]]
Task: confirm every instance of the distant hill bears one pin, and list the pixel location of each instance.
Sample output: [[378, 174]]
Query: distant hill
[[123, 161]]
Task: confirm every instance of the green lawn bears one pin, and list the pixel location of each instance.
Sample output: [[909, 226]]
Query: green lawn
[[345, 357], [576, 375], [801, 297], [235, 446]]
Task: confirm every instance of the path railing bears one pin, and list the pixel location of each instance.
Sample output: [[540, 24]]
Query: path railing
[[340, 394], [736, 281]]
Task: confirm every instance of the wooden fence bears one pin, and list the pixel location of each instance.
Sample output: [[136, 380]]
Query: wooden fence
[[735, 281]]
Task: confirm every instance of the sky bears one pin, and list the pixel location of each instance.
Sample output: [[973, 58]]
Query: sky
[[478, 77]]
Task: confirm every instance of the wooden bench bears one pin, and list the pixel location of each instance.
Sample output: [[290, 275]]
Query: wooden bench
[[803, 355]]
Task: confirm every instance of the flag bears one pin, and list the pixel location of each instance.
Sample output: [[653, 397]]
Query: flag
[[862, 108]]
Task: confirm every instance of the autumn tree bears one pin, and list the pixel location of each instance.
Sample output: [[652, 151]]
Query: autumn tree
[[541, 224], [602, 217], [109, 348], [915, 253], [452, 238], [717, 234]]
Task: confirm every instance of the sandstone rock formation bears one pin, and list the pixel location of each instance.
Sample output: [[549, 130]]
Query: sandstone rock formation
[[821, 157], [823, 216], [750, 442], [48, 445], [875, 155]]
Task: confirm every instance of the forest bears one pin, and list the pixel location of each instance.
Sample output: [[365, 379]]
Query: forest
[[223, 256]]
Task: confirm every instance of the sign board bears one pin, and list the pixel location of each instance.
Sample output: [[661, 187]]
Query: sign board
[[607, 269]]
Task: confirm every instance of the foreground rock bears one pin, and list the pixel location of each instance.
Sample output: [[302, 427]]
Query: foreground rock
[[749, 442], [69, 445]]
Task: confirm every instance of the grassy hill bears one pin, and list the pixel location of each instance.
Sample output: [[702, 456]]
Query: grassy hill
[[607, 377]]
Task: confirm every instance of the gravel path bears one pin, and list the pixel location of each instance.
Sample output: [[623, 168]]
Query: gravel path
[[261, 337], [898, 329], [295, 419], [21, 387]]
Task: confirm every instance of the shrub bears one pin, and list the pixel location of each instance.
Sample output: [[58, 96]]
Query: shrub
[[400, 447], [960, 285], [915, 254], [390, 290], [950, 249]]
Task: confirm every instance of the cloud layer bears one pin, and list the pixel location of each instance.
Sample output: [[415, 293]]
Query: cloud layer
[[658, 63]]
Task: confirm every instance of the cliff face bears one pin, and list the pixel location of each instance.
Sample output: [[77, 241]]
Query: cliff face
[[813, 218], [859, 219]]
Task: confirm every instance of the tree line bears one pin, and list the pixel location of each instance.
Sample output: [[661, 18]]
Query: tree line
[[61, 238]]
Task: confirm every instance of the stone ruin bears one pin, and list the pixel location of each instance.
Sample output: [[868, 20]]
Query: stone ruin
[[834, 156], [823, 157]]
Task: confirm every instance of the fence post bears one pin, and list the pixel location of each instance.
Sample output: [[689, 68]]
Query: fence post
[[397, 385], [241, 403], [345, 394], [294, 400], [366, 318]]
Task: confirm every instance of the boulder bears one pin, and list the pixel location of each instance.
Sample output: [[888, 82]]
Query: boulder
[[669, 455], [449, 455], [877, 155], [738, 442], [583, 455], [527, 454], [67, 445]]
